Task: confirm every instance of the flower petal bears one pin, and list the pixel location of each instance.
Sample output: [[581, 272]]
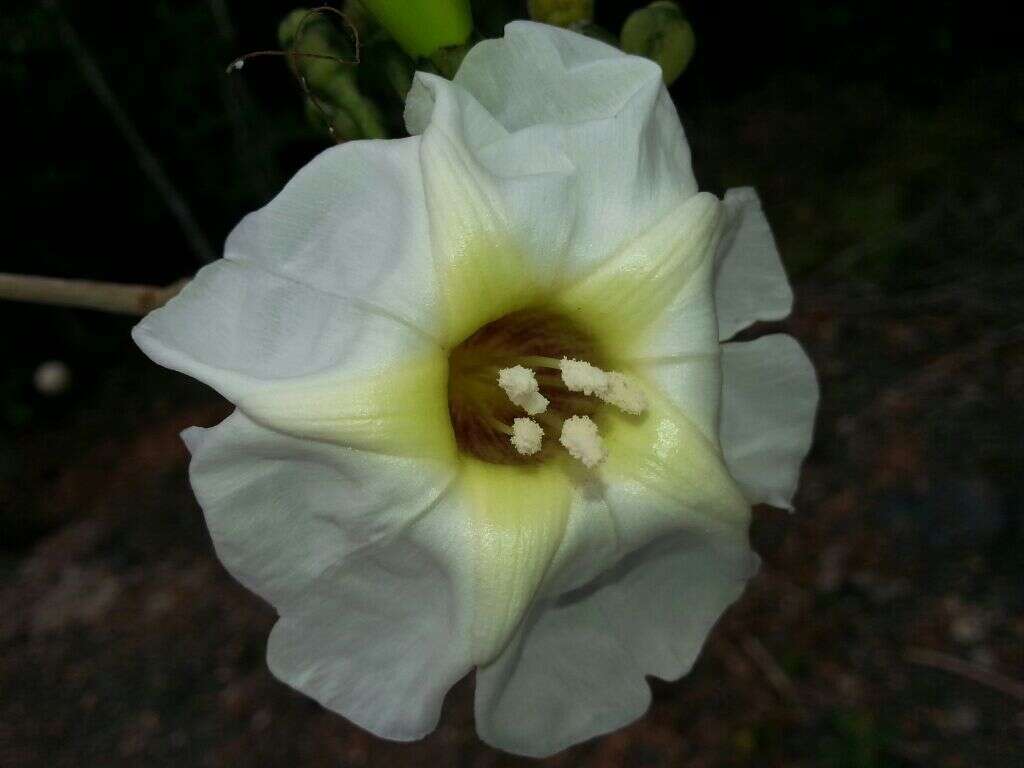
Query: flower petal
[[750, 283], [631, 296], [494, 225], [608, 113], [238, 328], [517, 517], [565, 679], [381, 637], [769, 401], [352, 223], [577, 669], [282, 511], [654, 306], [591, 543], [402, 411], [334, 277], [664, 474]]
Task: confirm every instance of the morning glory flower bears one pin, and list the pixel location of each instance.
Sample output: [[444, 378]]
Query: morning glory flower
[[488, 414]]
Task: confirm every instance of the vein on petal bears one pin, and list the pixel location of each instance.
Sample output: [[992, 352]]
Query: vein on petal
[[356, 302]]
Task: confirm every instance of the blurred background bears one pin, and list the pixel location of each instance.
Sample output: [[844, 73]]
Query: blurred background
[[887, 626]]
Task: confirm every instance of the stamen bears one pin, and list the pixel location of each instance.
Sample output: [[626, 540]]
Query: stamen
[[499, 426], [522, 389], [539, 361], [551, 422], [581, 439], [527, 436], [581, 376], [610, 386], [624, 394]]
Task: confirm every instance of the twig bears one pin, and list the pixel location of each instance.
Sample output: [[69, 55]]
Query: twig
[[925, 657], [87, 294], [148, 162]]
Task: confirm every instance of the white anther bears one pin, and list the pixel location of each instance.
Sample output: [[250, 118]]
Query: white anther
[[581, 376], [611, 386], [521, 387], [624, 394], [526, 436], [582, 441]]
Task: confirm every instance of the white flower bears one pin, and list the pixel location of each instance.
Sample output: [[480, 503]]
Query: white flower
[[367, 485]]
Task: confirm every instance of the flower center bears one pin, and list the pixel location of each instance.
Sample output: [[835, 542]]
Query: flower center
[[483, 414]]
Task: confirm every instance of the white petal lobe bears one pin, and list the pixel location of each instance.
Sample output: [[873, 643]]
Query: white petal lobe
[[281, 511], [750, 281], [381, 637], [577, 670], [769, 401]]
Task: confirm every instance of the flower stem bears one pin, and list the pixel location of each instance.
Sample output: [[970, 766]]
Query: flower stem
[[87, 294]]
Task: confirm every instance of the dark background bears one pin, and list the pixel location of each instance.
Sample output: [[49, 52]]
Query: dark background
[[887, 627]]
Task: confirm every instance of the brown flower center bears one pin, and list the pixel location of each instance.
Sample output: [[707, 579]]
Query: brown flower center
[[481, 412]]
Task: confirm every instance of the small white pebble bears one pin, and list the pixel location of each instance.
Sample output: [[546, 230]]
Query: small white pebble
[[581, 376], [624, 394], [52, 378], [581, 439], [527, 436], [520, 384]]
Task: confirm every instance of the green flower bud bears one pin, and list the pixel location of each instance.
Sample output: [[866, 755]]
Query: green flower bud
[[421, 27], [561, 13], [361, 19], [331, 81], [337, 122], [319, 37], [661, 33]]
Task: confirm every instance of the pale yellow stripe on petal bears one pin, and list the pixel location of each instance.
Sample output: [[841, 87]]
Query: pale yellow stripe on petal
[[518, 517], [402, 411], [667, 454], [481, 272], [626, 294]]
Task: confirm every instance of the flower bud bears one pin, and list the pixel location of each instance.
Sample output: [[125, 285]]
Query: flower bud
[[422, 27], [561, 13], [331, 81], [312, 32], [661, 33]]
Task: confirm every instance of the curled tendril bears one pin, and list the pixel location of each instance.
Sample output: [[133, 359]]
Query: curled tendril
[[294, 55]]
